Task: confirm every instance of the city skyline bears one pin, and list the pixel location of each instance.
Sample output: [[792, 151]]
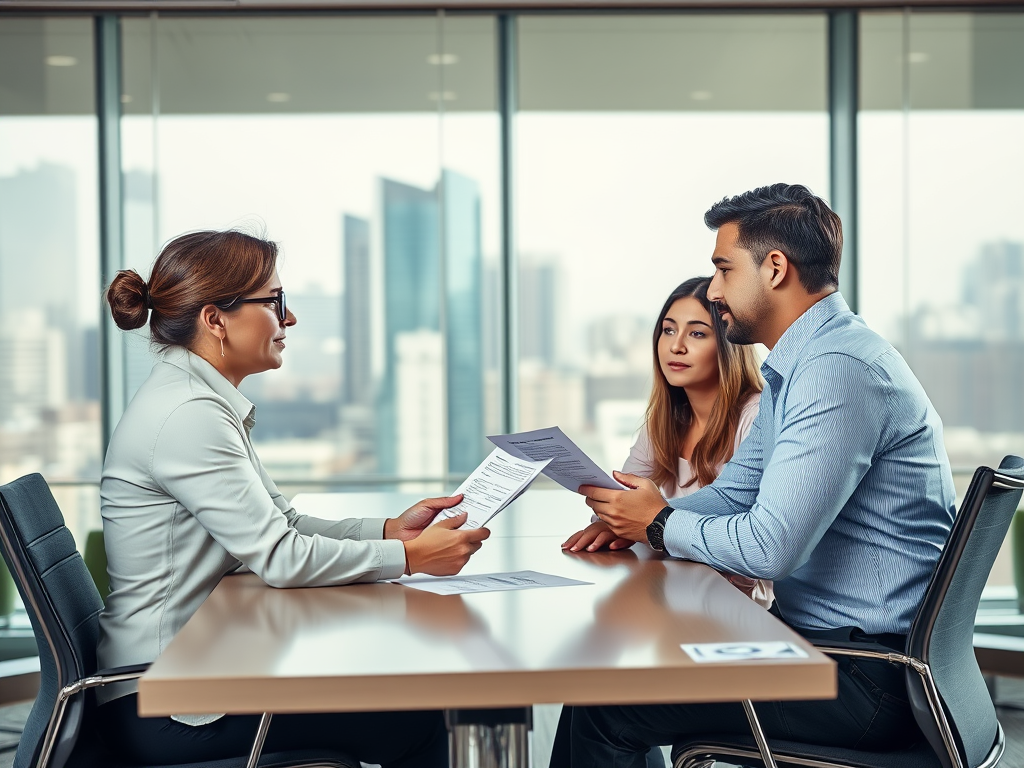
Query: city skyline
[[556, 379]]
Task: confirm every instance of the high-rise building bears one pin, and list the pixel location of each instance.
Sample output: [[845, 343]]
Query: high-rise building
[[970, 356], [357, 320], [410, 248], [34, 376], [419, 387], [463, 272], [994, 284], [538, 309], [38, 258], [417, 227]]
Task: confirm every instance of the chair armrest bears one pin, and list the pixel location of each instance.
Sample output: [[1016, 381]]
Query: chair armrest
[[862, 651], [126, 670], [108, 676]]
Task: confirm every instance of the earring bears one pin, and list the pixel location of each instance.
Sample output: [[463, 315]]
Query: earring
[[222, 347]]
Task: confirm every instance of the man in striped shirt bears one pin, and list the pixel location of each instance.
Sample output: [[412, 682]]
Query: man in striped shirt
[[842, 493]]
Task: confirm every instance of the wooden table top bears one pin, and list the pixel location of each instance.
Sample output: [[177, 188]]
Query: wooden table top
[[362, 647]]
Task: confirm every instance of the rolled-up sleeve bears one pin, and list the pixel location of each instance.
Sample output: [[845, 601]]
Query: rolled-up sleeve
[[200, 459], [765, 524]]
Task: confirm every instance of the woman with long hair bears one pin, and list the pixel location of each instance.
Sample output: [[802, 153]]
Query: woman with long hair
[[185, 501], [703, 403]]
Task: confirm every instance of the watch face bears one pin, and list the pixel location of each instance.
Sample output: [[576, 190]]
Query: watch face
[[655, 535]]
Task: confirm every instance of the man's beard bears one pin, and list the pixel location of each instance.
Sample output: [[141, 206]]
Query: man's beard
[[746, 330], [738, 332]]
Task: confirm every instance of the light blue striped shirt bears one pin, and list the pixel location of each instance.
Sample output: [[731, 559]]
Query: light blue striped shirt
[[842, 492]]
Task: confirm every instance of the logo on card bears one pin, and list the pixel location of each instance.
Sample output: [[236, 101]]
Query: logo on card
[[729, 652]]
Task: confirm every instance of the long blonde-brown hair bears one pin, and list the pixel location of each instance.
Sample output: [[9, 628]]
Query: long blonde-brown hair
[[669, 412]]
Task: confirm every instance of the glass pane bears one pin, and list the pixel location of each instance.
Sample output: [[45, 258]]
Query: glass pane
[[367, 148], [49, 260], [942, 264], [631, 127]]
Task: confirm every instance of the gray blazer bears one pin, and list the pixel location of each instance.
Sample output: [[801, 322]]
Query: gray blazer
[[186, 501]]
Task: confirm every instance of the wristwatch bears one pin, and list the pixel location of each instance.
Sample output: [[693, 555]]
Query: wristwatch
[[656, 530]]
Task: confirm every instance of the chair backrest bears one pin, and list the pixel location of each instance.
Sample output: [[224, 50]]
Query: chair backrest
[[942, 635], [62, 604]]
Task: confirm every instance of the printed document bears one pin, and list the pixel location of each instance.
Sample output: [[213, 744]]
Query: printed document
[[570, 467], [721, 652], [486, 582], [495, 484]]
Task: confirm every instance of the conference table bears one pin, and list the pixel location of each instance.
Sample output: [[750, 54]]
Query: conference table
[[615, 639]]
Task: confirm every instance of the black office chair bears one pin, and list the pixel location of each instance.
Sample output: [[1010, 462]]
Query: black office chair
[[947, 693], [64, 607]]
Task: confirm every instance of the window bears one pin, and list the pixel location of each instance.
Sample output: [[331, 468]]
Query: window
[[49, 261], [629, 128], [942, 239], [368, 149]]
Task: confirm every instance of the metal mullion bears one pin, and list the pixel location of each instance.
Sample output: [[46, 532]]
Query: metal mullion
[[108, 114], [507, 97], [843, 102], [442, 255]]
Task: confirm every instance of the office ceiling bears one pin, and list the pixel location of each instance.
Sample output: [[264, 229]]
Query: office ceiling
[[330, 64]]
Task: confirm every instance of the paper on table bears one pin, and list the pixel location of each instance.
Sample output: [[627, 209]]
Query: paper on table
[[729, 652], [487, 582], [495, 484], [570, 467]]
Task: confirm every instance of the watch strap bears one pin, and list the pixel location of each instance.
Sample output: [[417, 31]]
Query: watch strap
[[656, 530]]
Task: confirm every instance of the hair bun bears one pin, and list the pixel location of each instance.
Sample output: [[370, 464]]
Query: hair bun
[[128, 297]]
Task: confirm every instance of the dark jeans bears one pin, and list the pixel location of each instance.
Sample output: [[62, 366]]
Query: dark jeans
[[392, 739], [871, 712]]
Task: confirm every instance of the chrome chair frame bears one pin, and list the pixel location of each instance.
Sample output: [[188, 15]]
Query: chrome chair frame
[[117, 675], [122, 674], [702, 756]]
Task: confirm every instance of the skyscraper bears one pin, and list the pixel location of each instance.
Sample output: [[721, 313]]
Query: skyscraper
[[970, 356], [409, 243], [418, 226], [464, 321], [38, 258], [538, 315]]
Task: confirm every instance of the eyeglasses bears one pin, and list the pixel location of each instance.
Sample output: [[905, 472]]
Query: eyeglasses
[[277, 298]]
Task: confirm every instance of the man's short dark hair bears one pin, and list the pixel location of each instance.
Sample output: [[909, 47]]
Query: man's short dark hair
[[791, 219]]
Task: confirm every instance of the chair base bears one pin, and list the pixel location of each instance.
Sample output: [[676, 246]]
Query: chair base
[[742, 750], [95, 756]]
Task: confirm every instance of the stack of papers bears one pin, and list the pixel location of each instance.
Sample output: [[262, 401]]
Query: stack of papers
[[569, 466], [495, 484], [486, 582], [514, 464]]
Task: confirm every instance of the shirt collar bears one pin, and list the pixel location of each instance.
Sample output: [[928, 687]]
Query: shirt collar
[[193, 364], [783, 357]]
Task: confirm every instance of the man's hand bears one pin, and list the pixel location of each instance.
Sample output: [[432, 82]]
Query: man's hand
[[594, 537], [411, 523], [442, 550], [627, 513]]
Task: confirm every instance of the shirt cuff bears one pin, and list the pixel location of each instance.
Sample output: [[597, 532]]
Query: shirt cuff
[[679, 533], [372, 528], [392, 559]]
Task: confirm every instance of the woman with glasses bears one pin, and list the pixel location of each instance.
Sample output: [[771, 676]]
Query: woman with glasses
[[186, 501]]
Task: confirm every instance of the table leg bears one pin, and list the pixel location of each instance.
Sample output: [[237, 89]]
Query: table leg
[[489, 738]]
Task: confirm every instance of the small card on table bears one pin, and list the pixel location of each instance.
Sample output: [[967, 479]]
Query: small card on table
[[729, 652]]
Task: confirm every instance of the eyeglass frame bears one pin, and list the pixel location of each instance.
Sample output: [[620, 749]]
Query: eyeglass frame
[[277, 298]]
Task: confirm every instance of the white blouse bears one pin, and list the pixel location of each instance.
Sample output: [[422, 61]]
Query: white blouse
[[641, 455]]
